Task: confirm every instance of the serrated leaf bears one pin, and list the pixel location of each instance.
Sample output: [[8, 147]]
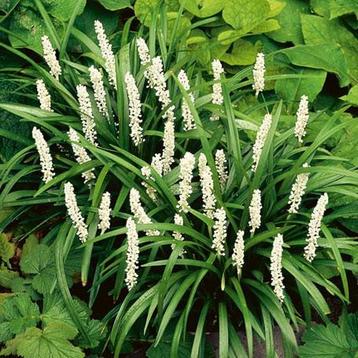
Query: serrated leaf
[[342, 7], [52, 341], [114, 5], [331, 341], [35, 260], [7, 277], [245, 15], [7, 249], [203, 8], [17, 313]]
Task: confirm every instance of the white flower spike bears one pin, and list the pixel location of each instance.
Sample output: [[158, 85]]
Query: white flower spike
[[45, 155], [217, 95], [302, 119], [107, 53], [99, 91], [220, 232], [135, 115], [188, 118], [260, 140], [104, 213], [239, 251], [50, 57], [259, 74], [220, 163], [297, 191], [132, 257], [314, 227], [86, 115], [74, 212], [207, 186], [43, 96], [255, 211], [187, 164], [276, 267]]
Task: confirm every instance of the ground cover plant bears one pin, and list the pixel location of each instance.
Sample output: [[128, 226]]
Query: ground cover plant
[[202, 202]]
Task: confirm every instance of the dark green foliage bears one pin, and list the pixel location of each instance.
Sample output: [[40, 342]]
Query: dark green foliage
[[332, 341]]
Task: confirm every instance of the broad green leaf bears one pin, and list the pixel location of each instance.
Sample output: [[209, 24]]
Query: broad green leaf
[[52, 341], [326, 57], [93, 11], [276, 6], [266, 26], [318, 31], [203, 8], [352, 96], [342, 7], [245, 14], [63, 9], [7, 248], [290, 22], [291, 89], [243, 53], [114, 5], [28, 27]]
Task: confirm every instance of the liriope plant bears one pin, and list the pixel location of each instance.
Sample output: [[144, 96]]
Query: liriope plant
[[201, 219]]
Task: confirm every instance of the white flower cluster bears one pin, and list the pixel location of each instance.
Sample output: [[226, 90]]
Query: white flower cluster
[[276, 267], [217, 95], [302, 119], [139, 214], [207, 186], [220, 231], [74, 212], [135, 116], [86, 114], [99, 91], [80, 154], [178, 220], [104, 213], [143, 51], [50, 57], [186, 165], [107, 53], [45, 155], [168, 145], [220, 163], [43, 96], [297, 191], [188, 118], [146, 172], [259, 73], [255, 211], [314, 227], [239, 251], [132, 257], [260, 140]]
